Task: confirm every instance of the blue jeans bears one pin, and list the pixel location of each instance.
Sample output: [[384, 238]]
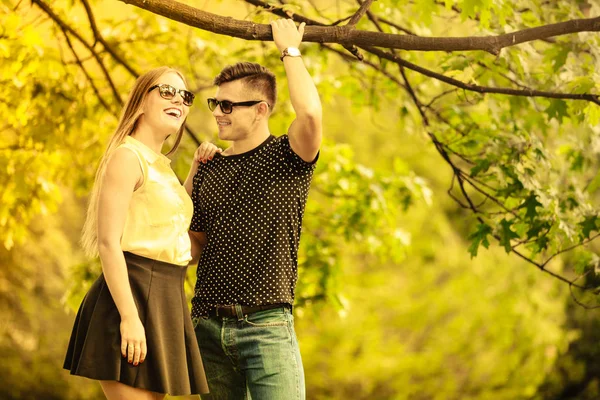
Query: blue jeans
[[255, 356]]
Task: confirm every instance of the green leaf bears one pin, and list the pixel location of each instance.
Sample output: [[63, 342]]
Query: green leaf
[[530, 204], [594, 184], [560, 58], [470, 7], [557, 55], [484, 17], [588, 225], [456, 64], [512, 188], [557, 110], [570, 203], [537, 228], [584, 261], [581, 85], [481, 166], [479, 237], [542, 243], [577, 161], [592, 113], [507, 234], [426, 8]]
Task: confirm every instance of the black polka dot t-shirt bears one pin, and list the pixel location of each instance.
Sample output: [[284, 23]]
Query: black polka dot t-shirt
[[251, 206]]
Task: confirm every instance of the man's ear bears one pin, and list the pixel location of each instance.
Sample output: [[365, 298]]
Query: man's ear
[[263, 110]]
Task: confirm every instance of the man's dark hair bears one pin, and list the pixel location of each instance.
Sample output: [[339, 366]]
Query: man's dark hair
[[254, 76]]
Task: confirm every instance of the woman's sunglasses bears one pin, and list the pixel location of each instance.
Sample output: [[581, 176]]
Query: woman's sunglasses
[[168, 92], [227, 106]]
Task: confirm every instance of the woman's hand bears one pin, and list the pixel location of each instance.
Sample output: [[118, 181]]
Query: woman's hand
[[206, 152], [133, 340]]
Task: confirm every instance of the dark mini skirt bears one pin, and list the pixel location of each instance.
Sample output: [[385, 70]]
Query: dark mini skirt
[[173, 364]]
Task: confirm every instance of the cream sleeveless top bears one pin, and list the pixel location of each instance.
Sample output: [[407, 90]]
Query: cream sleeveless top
[[160, 211]]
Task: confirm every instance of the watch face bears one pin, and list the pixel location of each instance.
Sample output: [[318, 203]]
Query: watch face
[[292, 51]]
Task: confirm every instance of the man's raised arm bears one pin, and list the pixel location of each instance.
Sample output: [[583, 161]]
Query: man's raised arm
[[306, 130]]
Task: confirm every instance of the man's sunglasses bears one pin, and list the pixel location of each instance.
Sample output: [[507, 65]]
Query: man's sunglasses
[[168, 92], [227, 106]]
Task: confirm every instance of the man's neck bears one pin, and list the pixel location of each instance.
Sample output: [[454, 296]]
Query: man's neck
[[247, 144]]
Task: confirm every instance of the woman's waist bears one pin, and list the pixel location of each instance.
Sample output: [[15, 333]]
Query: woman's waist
[[152, 262], [171, 252]]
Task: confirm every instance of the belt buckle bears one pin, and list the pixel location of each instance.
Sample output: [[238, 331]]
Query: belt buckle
[[224, 307]]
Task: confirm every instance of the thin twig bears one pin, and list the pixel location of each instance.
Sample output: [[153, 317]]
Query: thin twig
[[106, 45], [67, 28], [362, 10], [87, 75]]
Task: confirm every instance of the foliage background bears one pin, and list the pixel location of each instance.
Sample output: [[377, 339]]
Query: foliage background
[[391, 304]]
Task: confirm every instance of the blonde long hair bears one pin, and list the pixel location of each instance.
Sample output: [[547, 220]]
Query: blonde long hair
[[132, 111]]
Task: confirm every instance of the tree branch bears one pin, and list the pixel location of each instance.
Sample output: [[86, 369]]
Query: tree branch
[[461, 177], [454, 82], [99, 38], [579, 303], [582, 243], [248, 30], [87, 75], [65, 27], [476, 88], [364, 8], [92, 20], [543, 269], [347, 35]]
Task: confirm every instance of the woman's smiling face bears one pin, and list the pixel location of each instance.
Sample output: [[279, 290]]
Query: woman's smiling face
[[165, 114]]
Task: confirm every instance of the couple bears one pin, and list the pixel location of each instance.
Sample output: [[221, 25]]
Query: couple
[[133, 331]]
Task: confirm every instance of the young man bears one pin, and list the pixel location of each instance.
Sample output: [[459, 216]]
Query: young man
[[248, 207]]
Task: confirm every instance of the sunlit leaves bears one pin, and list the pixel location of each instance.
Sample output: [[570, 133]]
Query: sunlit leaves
[[352, 205], [42, 108]]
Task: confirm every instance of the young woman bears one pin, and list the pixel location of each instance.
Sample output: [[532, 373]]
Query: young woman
[[133, 331]]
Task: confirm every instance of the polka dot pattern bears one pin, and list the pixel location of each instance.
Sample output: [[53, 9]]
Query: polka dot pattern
[[251, 206]]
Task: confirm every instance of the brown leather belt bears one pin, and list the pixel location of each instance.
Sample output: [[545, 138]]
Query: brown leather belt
[[229, 309]]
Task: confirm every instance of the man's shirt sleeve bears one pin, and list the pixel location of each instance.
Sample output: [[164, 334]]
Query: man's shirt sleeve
[[294, 160]]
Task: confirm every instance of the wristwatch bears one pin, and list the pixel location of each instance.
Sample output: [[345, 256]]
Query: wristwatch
[[290, 51]]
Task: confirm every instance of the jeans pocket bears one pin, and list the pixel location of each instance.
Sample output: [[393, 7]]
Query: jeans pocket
[[274, 317], [265, 324]]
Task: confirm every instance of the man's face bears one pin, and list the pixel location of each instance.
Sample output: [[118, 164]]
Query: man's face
[[242, 122]]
